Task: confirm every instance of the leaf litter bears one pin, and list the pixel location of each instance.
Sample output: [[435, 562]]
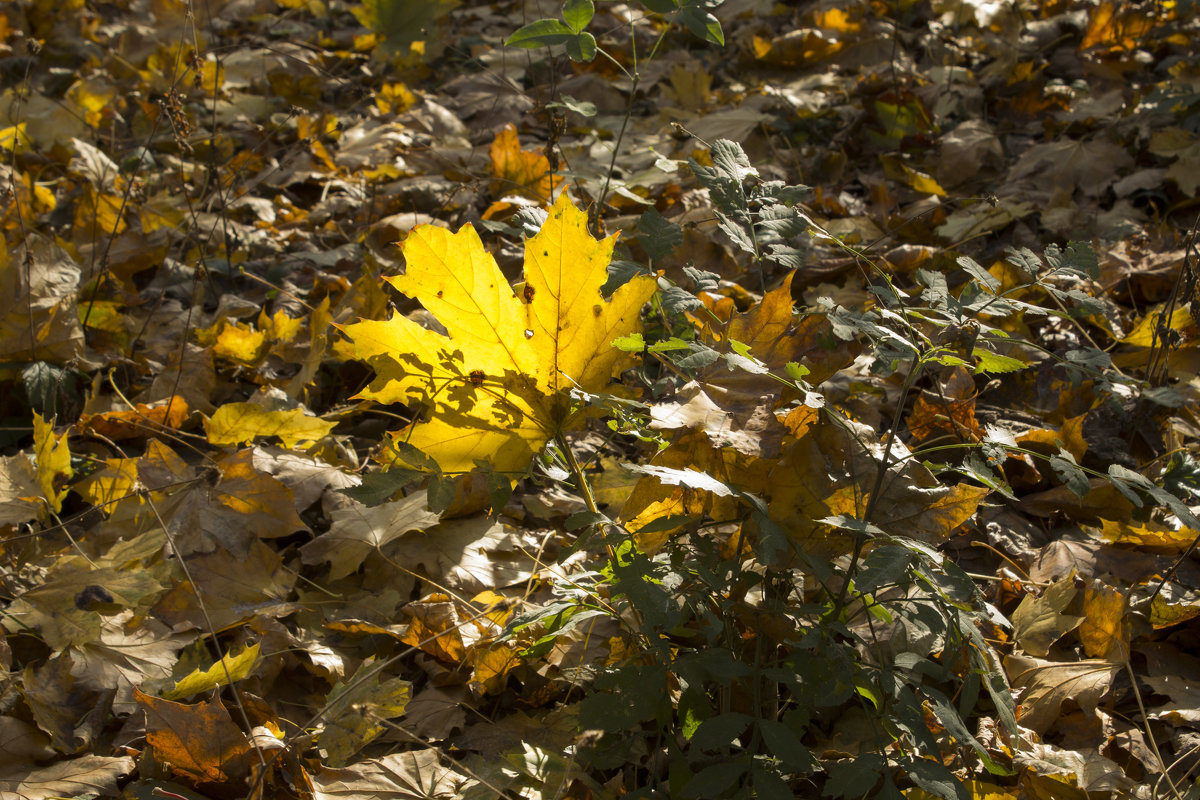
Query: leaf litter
[[212, 586]]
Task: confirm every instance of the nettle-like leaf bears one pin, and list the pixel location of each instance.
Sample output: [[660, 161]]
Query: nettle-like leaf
[[496, 388]]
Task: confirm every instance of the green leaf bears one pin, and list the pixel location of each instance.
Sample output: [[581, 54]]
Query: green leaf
[[41, 380], [578, 13], [712, 781], [785, 745], [441, 493], [853, 778], [980, 274], [769, 786], [542, 33], [659, 236], [702, 25], [633, 343], [1068, 471], [1121, 477], [691, 478], [796, 371], [886, 565], [721, 730], [989, 362], [953, 723], [849, 523], [731, 161], [1160, 495], [935, 778], [582, 47], [1181, 477], [639, 692]]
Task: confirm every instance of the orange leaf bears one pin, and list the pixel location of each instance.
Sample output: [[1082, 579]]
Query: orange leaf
[[200, 742], [520, 171], [142, 420], [1103, 631]]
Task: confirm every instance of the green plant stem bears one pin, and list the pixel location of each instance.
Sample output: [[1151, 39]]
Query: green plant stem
[[635, 78], [860, 540], [589, 500]]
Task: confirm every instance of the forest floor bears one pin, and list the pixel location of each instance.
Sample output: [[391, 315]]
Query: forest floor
[[834, 434]]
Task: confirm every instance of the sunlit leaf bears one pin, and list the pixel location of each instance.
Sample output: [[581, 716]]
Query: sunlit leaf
[[235, 423], [53, 458], [495, 388], [231, 667]]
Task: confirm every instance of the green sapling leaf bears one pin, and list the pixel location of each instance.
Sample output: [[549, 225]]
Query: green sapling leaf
[[541, 33], [582, 47], [578, 13], [581, 107]]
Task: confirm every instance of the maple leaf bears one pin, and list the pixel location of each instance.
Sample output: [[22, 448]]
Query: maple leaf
[[19, 490], [200, 742], [234, 423], [526, 172], [495, 388], [89, 774], [53, 462]]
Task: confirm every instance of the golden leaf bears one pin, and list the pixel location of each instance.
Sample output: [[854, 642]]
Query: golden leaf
[[495, 388]]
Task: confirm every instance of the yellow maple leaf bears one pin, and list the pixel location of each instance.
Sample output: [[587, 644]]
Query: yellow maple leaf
[[496, 387], [234, 423], [240, 342], [53, 458]]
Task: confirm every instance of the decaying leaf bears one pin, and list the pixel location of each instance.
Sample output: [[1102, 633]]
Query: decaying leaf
[[200, 742]]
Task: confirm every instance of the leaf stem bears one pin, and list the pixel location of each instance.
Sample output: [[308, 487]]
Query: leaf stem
[[860, 539]]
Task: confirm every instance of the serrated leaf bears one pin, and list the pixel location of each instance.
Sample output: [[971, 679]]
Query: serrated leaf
[[659, 236], [378, 487], [229, 668], [731, 160], [357, 531], [989, 362], [720, 730], [1068, 472], [691, 478], [496, 388], [980, 274]]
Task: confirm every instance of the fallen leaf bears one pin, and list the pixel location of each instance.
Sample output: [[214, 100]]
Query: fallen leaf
[[81, 776], [416, 775], [1039, 621], [495, 387], [1047, 685], [357, 531], [358, 709], [1104, 631], [522, 171], [230, 667], [235, 423], [199, 743]]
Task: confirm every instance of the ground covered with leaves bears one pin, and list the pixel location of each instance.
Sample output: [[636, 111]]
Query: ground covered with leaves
[[676, 399]]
